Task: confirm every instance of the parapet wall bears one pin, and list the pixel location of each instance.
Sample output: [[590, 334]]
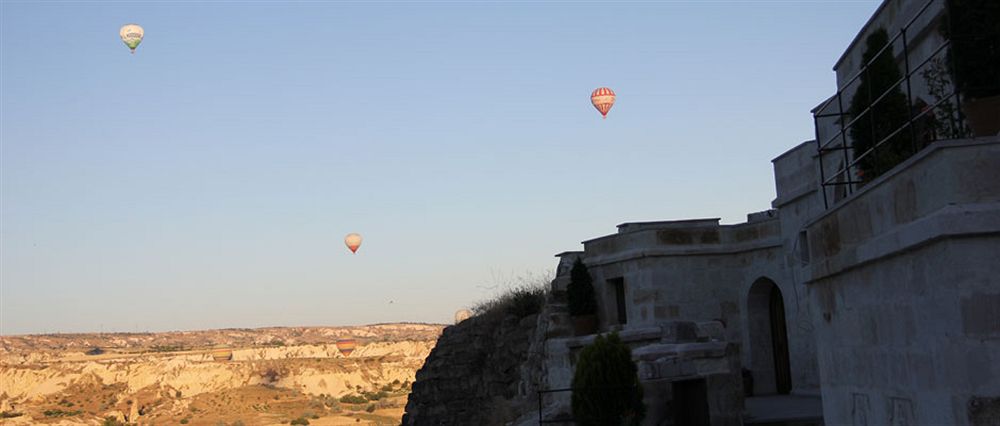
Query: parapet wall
[[904, 283]]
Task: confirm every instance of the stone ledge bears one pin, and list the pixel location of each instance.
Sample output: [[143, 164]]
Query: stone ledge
[[949, 221], [690, 250], [909, 163]]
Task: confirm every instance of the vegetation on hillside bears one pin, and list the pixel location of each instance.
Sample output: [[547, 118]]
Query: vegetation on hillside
[[518, 296]]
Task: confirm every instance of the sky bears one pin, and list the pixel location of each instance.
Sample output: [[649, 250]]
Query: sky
[[208, 180]]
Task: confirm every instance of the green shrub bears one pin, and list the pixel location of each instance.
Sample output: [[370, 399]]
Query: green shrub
[[606, 388], [580, 291], [61, 413], [10, 414], [375, 396], [519, 297], [371, 408], [184, 421], [353, 399], [300, 421]]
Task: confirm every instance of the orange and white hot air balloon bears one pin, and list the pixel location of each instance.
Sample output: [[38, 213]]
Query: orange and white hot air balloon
[[603, 99], [353, 241], [346, 346], [222, 354]]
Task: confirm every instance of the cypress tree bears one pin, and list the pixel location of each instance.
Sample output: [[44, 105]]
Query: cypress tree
[[885, 117], [580, 291], [606, 388]]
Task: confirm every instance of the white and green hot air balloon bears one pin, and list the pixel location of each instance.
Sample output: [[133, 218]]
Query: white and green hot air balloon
[[131, 35]]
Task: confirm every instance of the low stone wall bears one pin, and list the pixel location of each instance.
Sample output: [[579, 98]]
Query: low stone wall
[[673, 352]]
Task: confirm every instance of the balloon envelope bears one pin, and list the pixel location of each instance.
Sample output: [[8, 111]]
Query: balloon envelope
[[462, 315], [346, 346], [131, 35], [353, 241], [603, 99], [222, 354]]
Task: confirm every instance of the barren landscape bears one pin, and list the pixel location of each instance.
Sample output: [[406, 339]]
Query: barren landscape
[[273, 376]]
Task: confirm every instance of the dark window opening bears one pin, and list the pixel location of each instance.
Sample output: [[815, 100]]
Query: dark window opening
[[690, 403], [803, 248], [619, 286]]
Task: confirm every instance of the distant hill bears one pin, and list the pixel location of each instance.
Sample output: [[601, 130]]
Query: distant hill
[[267, 376]]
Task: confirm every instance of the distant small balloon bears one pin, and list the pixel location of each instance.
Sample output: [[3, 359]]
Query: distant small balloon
[[353, 241], [346, 346], [462, 315], [222, 354], [603, 99], [131, 35]]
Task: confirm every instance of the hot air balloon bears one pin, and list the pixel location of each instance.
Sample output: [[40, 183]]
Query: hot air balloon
[[603, 98], [222, 354], [462, 315], [131, 35], [346, 346], [353, 241]]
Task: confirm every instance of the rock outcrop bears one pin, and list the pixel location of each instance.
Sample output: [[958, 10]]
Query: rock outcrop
[[482, 371]]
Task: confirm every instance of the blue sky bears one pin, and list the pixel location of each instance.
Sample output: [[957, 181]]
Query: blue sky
[[208, 180]]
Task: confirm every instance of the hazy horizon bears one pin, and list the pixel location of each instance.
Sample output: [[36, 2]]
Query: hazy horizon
[[227, 328], [208, 180]]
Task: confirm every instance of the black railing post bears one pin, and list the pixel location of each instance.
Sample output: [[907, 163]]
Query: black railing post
[[909, 94], [843, 141], [819, 148], [871, 120], [954, 76], [539, 407]]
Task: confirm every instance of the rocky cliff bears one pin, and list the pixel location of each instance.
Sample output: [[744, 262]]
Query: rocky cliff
[[482, 371]]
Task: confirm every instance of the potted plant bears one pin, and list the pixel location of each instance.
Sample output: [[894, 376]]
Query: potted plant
[[974, 30], [582, 303]]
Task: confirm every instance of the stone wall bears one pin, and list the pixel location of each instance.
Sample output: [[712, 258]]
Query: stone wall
[[904, 282], [674, 351], [698, 270]]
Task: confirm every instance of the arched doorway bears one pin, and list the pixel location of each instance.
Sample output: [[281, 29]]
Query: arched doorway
[[769, 362]]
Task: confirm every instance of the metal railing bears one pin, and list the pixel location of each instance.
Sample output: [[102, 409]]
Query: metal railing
[[849, 175]]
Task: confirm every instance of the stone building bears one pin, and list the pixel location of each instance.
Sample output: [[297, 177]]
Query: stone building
[[880, 295], [858, 299]]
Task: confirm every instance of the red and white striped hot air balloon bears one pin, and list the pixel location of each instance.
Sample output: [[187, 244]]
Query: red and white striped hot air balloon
[[353, 241], [603, 98]]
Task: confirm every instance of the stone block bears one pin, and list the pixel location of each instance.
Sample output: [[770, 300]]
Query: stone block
[[981, 315], [710, 366]]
